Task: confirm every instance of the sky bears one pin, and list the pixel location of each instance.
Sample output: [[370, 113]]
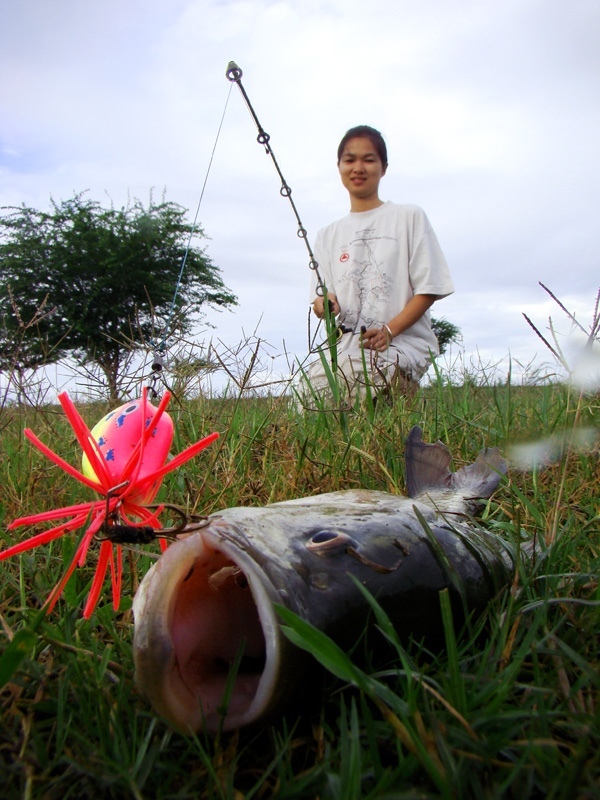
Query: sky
[[490, 110]]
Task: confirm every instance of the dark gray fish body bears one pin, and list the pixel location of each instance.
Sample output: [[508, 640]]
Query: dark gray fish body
[[212, 594]]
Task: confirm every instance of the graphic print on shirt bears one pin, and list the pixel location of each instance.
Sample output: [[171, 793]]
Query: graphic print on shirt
[[367, 281]]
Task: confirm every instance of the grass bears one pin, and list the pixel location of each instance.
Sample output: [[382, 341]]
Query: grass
[[508, 709]]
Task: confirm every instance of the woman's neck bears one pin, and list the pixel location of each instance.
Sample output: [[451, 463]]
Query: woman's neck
[[367, 204]]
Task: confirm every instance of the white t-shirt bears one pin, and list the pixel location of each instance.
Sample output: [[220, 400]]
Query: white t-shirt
[[375, 262]]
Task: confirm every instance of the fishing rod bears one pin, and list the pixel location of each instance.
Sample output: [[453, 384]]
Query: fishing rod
[[234, 74], [333, 330]]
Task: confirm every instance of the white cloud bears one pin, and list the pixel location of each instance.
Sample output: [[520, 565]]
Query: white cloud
[[490, 111]]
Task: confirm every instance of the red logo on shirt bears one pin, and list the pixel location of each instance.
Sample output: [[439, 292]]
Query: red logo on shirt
[[344, 257]]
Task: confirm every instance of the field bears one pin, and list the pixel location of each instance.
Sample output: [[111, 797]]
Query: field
[[509, 708]]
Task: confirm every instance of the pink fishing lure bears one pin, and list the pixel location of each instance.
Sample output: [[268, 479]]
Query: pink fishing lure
[[117, 437], [124, 459]]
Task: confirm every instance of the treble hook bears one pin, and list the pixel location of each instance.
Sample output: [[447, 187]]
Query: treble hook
[[119, 533]]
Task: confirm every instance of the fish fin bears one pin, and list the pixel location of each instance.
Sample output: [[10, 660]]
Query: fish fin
[[427, 465], [481, 478]]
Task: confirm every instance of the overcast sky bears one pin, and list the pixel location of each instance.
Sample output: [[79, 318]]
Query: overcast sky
[[490, 110]]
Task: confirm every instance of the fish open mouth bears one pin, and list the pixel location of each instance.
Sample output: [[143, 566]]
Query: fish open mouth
[[206, 642]]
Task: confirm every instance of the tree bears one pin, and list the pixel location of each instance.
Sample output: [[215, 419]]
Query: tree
[[446, 332], [105, 278]]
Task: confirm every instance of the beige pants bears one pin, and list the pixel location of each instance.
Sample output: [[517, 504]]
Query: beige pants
[[385, 373]]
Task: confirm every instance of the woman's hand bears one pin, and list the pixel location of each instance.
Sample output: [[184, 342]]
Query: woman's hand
[[380, 338], [319, 305], [377, 338]]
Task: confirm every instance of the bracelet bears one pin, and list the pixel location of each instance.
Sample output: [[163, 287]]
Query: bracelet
[[389, 330]]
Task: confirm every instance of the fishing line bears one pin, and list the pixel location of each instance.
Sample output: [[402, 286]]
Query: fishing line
[[159, 350]]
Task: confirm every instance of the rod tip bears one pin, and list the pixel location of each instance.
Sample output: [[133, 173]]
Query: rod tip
[[233, 72]]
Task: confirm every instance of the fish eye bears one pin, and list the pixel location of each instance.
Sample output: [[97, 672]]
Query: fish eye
[[324, 536], [328, 541]]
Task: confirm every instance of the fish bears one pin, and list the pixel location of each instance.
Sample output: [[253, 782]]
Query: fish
[[211, 600]]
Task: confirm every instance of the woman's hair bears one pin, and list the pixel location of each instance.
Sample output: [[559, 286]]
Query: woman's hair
[[366, 132]]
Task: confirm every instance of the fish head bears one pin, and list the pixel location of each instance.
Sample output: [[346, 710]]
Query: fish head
[[203, 607]]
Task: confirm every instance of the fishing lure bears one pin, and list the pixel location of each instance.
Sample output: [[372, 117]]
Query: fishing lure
[[124, 459]]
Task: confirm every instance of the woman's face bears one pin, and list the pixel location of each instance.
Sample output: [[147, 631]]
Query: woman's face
[[361, 168]]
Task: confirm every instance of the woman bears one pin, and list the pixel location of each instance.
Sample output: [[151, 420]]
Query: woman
[[382, 268]]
